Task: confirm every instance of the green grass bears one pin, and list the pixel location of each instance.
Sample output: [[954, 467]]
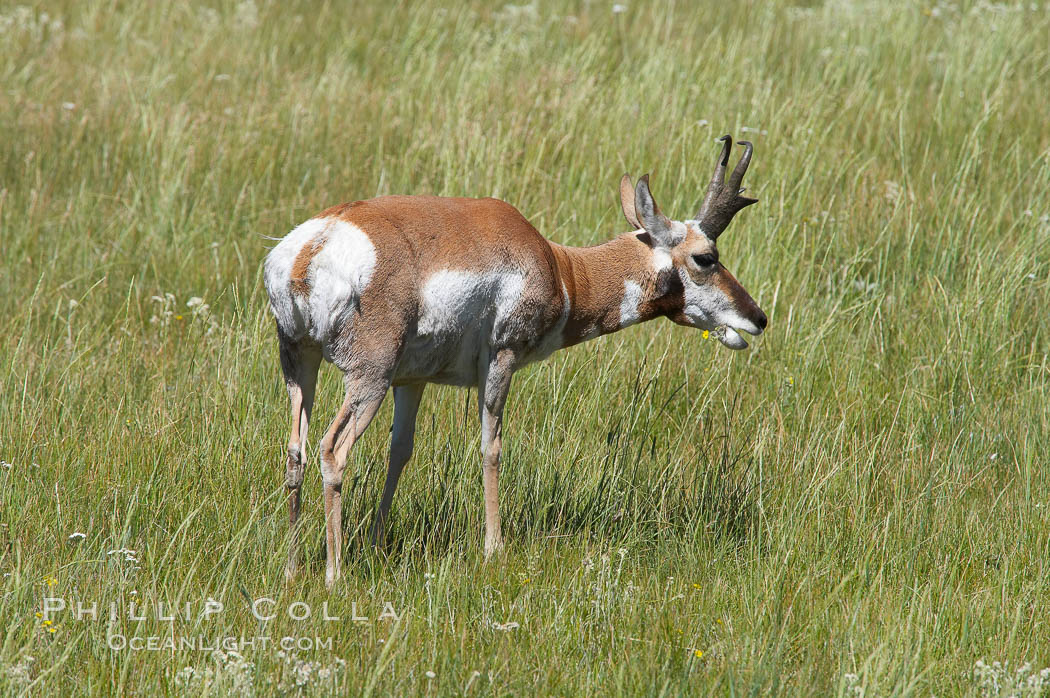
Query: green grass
[[864, 491]]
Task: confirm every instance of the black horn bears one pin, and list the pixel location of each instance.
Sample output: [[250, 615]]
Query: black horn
[[724, 200]]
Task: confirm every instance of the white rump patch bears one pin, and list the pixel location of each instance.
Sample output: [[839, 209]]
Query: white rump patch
[[337, 277], [632, 298], [277, 276]]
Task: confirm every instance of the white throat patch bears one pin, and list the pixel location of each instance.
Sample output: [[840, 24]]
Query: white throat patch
[[629, 306]]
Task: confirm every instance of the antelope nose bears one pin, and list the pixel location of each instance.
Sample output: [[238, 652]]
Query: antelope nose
[[761, 320]]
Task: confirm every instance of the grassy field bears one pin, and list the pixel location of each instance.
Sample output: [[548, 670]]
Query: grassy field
[[857, 505]]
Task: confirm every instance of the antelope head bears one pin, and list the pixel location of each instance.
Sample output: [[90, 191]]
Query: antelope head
[[697, 290]]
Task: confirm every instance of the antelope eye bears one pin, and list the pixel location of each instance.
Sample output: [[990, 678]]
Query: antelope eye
[[704, 260]]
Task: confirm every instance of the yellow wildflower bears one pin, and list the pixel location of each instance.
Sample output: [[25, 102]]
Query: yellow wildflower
[[706, 334], [699, 654]]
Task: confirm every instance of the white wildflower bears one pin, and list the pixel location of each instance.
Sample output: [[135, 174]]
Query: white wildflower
[[246, 16], [20, 673], [517, 13], [998, 680], [24, 20], [894, 192], [852, 685], [298, 675], [208, 16], [187, 676]]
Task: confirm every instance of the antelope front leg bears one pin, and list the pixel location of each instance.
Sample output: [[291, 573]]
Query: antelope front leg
[[402, 439], [492, 395], [353, 418]]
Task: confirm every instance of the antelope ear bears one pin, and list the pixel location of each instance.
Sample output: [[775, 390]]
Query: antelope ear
[[648, 213], [627, 201]]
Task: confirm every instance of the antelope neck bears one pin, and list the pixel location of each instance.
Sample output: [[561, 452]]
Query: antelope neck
[[608, 286]]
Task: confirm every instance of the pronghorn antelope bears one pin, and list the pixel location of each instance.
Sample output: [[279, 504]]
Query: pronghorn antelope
[[407, 290]]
